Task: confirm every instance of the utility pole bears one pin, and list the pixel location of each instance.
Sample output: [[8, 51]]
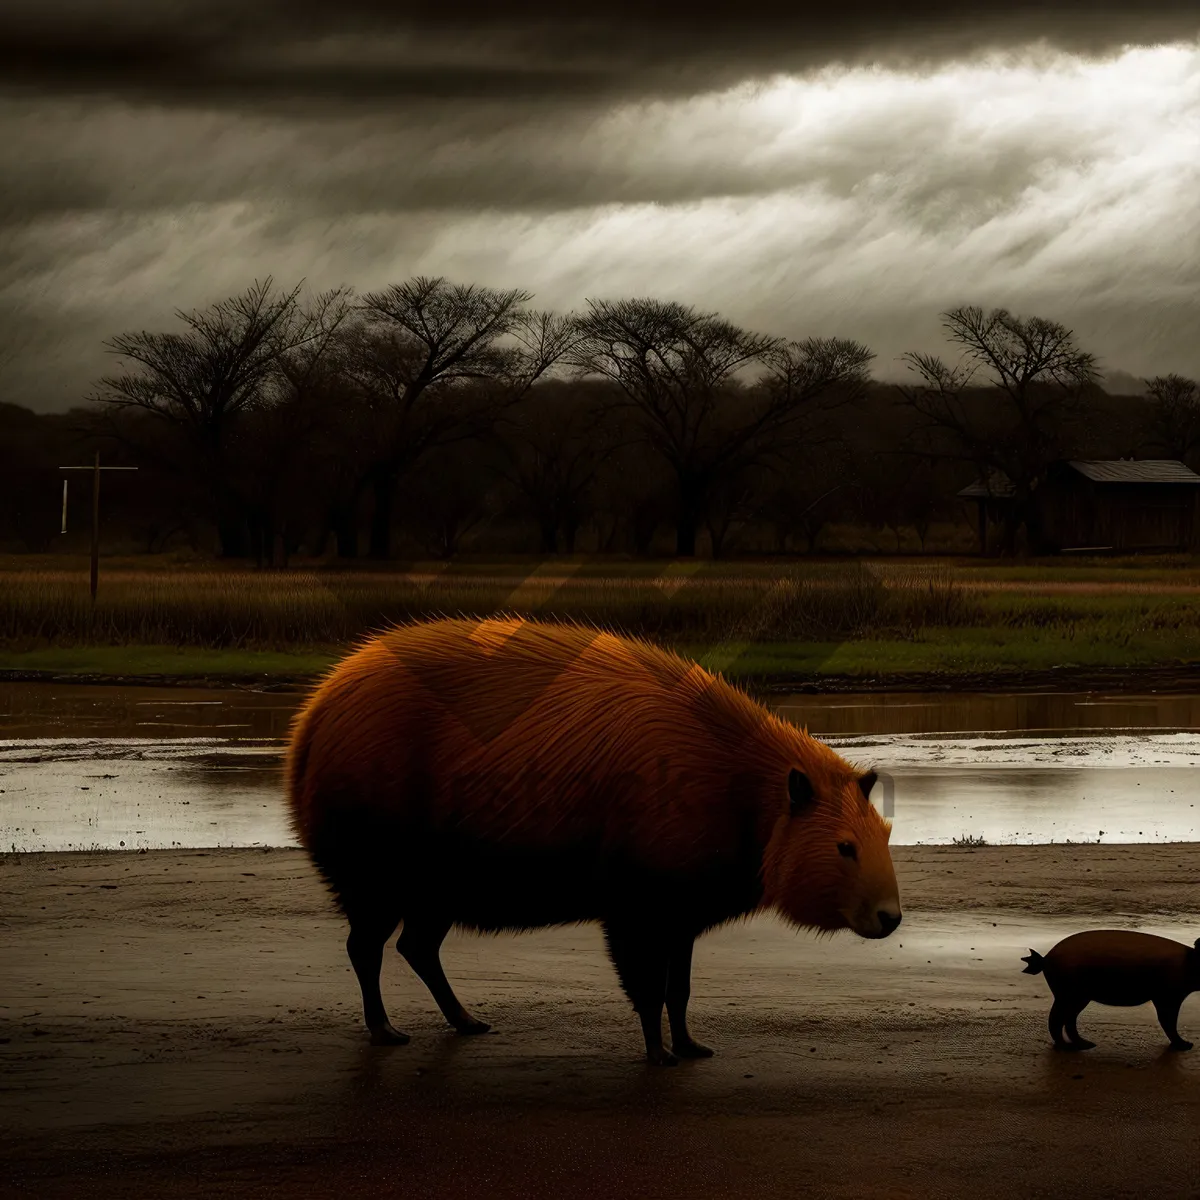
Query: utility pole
[[95, 469]]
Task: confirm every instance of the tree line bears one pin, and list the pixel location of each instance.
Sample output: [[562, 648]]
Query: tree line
[[435, 415]]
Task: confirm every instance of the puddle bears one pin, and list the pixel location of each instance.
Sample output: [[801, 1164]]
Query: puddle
[[85, 767]]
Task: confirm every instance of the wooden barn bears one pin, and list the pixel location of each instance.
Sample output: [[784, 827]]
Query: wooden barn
[[1121, 505]]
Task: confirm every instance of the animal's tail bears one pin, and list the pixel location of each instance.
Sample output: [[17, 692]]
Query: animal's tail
[[1035, 961]]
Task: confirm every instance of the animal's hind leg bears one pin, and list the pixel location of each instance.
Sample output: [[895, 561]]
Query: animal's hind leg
[[1066, 1012], [641, 960], [1168, 1017], [420, 942], [368, 936], [679, 991], [1079, 1043]]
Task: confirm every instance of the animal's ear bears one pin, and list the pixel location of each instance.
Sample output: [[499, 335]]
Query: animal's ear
[[867, 782], [800, 791]]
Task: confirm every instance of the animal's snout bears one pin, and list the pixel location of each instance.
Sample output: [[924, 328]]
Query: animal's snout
[[870, 921], [888, 921]]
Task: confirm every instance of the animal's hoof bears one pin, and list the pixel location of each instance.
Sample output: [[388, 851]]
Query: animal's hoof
[[1082, 1045], [472, 1027], [662, 1057], [1181, 1045], [385, 1035], [690, 1049]]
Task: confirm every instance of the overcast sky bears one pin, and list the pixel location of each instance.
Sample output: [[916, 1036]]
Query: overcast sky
[[851, 174]]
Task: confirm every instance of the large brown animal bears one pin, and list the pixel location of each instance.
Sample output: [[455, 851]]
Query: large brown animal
[[1117, 967], [510, 774]]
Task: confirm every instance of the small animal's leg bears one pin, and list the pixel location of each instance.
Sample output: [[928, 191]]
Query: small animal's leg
[[1168, 1016], [640, 958], [679, 991], [368, 936], [420, 942], [1057, 1017], [1064, 1011], [1072, 1015]]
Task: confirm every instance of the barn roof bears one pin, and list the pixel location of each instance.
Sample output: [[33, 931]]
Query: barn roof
[[997, 486], [1145, 470]]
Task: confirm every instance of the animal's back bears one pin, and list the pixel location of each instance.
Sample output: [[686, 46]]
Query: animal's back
[[1113, 949], [521, 769]]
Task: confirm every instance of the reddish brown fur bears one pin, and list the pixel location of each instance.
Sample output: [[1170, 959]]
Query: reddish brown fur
[[526, 746]]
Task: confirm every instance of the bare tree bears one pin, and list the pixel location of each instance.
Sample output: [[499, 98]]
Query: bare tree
[[299, 412], [553, 446], [449, 496], [1174, 415], [1040, 380], [682, 373], [435, 363], [804, 495], [204, 380], [732, 503]]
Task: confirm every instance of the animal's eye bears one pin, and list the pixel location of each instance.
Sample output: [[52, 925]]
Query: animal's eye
[[847, 849]]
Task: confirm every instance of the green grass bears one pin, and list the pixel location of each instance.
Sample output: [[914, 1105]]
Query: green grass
[[750, 620], [964, 651], [167, 660]]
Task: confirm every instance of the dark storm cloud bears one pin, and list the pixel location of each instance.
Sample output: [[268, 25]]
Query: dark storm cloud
[[70, 157], [364, 52], [157, 155]]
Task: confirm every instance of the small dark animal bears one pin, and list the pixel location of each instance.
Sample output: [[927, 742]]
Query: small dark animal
[[1121, 968], [509, 774]]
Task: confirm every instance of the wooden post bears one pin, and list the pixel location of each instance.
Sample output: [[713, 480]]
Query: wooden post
[[95, 469], [95, 526]]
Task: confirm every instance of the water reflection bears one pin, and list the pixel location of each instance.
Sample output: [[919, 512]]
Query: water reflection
[[82, 710], [1045, 804], [75, 710], [1045, 713], [84, 767], [112, 794]]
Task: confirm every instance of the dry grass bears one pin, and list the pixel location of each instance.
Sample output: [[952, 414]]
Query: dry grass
[[308, 609]]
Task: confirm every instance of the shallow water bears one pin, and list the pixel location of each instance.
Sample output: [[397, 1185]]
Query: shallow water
[[88, 710], [79, 710], [89, 767]]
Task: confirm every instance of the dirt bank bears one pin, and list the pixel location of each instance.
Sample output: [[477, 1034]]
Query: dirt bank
[[186, 1024]]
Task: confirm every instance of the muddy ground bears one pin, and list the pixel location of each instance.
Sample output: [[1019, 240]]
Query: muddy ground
[[184, 1024]]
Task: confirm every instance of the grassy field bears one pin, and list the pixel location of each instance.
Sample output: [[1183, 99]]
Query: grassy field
[[758, 620]]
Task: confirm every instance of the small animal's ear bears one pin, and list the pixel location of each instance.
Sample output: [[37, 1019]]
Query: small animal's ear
[[867, 782], [800, 791]]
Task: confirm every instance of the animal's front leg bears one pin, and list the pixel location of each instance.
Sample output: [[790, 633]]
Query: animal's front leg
[[679, 991], [1168, 1017], [641, 959]]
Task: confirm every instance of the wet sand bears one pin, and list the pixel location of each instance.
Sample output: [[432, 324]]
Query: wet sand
[[185, 1024]]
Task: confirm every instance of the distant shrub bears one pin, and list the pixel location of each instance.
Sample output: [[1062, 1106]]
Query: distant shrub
[[970, 840]]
